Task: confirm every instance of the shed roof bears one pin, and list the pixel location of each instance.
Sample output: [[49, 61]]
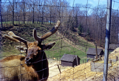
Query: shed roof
[[113, 46], [92, 51], [68, 57]]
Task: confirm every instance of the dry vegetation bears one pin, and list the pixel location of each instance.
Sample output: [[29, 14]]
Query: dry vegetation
[[83, 72]]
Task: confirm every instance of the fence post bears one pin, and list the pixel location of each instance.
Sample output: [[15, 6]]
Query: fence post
[[0, 14], [107, 39]]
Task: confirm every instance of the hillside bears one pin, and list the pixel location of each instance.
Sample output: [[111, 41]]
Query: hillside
[[63, 44], [22, 30]]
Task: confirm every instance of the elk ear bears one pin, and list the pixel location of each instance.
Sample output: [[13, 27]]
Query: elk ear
[[48, 46]]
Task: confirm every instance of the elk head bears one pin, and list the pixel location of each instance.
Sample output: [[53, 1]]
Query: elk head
[[34, 51]]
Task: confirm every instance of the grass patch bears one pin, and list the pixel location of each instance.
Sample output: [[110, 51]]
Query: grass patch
[[10, 50], [62, 48]]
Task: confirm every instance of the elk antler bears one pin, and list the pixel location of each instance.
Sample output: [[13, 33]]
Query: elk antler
[[11, 38], [46, 35], [20, 39], [14, 37]]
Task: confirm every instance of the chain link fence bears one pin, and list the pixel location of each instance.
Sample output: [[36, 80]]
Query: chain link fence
[[82, 27]]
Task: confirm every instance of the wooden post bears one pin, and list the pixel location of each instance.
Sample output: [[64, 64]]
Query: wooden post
[[59, 69], [96, 51], [116, 58], [111, 62], [99, 57]]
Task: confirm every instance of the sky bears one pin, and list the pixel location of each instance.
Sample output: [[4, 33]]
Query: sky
[[94, 3]]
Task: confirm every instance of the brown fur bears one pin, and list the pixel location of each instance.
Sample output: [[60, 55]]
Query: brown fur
[[12, 67], [11, 58]]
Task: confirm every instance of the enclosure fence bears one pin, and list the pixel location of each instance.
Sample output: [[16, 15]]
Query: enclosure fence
[[82, 27]]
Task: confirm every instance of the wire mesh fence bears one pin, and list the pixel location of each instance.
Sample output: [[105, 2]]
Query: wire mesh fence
[[82, 26]]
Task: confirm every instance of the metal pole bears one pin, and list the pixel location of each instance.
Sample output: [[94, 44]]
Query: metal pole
[[107, 39], [0, 14]]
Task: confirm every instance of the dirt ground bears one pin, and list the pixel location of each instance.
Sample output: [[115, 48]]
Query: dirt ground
[[83, 72], [53, 68]]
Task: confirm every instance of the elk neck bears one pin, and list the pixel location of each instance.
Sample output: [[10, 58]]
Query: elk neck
[[41, 66]]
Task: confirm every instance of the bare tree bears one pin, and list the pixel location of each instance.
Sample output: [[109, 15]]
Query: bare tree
[[0, 14]]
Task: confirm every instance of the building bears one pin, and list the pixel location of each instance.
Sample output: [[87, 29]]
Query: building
[[70, 60], [91, 53], [112, 47]]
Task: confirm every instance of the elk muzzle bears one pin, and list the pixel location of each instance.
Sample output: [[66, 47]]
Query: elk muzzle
[[28, 61]]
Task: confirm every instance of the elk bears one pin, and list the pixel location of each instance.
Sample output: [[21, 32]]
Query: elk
[[21, 48], [31, 67]]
